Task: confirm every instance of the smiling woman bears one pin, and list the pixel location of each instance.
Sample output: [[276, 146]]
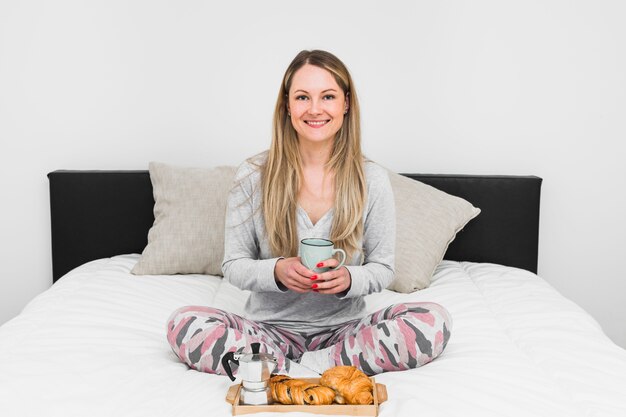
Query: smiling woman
[[312, 183]]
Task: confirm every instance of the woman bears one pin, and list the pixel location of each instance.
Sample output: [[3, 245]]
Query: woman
[[313, 182]]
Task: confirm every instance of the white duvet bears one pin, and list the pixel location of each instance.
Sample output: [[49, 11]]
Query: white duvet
[[94, 345]]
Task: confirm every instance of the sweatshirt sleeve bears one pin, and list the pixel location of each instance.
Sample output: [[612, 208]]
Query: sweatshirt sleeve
[[242, 266], [379, 238]]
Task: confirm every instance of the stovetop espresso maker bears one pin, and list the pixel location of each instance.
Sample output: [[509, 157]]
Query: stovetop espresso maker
[[254, 369]]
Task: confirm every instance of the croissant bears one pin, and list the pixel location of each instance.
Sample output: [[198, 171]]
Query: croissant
[[350, 384], [286, 390]]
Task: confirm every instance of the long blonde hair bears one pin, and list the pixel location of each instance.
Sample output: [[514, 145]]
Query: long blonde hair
[[281, 174]]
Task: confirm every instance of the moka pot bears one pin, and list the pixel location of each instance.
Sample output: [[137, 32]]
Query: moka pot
[[254, 370]]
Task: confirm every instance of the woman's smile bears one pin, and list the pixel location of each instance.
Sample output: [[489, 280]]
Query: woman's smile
[[316, 123]]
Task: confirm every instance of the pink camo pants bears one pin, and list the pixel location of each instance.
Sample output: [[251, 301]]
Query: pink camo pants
[[399, 337]]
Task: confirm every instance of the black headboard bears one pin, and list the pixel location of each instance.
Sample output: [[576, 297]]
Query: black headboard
[[99, 214]]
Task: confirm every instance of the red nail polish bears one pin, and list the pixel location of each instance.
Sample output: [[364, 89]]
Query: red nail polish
[[313, 276], [319, 265], [314, 286]]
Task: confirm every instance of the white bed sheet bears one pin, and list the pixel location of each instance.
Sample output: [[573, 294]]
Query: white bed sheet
[[94, 345]]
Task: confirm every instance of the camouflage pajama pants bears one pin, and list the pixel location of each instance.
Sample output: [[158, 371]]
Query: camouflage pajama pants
[[399, 337]]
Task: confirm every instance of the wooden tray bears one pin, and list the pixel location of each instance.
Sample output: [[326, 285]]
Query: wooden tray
[[380, 396]]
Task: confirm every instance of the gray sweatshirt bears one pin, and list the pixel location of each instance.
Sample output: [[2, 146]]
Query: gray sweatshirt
[[249, 265]]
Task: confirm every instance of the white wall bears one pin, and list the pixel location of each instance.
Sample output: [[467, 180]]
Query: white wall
[[481, 87]]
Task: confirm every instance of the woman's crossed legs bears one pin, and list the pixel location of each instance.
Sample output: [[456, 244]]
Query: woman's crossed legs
[[399, 337]]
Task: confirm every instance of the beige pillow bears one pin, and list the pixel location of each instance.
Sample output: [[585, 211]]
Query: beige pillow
[[427, 220], [187, 236]]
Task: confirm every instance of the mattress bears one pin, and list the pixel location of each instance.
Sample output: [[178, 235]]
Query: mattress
[[94, 345]]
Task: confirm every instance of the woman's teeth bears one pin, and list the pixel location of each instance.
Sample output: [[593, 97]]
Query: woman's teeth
[[316, 123]]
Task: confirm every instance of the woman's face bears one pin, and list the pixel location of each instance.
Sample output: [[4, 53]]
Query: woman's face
[[317, 104]]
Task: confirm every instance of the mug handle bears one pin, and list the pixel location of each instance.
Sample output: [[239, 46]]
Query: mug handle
[[343, 257]]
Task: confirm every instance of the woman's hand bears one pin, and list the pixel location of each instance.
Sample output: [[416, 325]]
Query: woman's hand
[[293, 275], [333, 281]]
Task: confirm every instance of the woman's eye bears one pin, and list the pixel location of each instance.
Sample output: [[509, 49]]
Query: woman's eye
[[301, 97], [329, 97]]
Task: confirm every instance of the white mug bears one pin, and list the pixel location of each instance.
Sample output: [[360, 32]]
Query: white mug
[[314, 251]]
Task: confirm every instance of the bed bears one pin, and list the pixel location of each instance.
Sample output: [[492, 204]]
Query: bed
[[94, 343]]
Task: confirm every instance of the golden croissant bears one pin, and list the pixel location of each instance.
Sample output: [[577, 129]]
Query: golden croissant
[[350, 384], [296, 391]]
